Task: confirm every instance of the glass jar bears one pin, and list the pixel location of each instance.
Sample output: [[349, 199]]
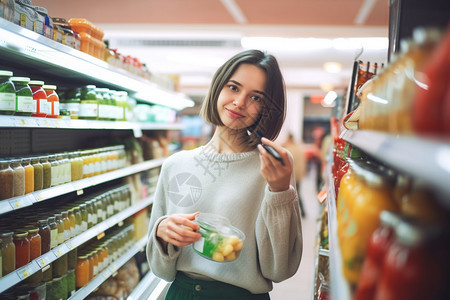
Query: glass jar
[[76, 166], [122, 103], [6, 180], [22, 245], [8, 249], [88, 103], [45, 233], [82, 271], [54, 169], [67, 226], [73, 222], [40, 98], [104, 103], [90, 256], [72, 259], [92, 217], [18, 178], [61, 228], [84, 217], [35, 241], [78, 220], [29, 175], [46, 171], [25, 106], [70, 281], [53, 100], [38, 173], [53, 232], [7, 93], [71, 103]]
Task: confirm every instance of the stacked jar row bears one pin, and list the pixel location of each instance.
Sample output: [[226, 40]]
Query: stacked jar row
[[25, 97], [39, 231], [20, 176], [95, 257]]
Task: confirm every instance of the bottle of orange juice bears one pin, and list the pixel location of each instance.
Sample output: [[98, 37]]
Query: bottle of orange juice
[[374, 196]]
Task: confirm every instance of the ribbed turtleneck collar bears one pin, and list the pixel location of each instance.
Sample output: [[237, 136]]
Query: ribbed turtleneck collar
[[210, 153]]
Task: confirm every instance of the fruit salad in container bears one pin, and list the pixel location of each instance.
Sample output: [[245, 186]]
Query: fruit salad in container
[[220, 240]]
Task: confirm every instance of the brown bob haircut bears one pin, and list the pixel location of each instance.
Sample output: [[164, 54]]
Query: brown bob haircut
[[273, 110]]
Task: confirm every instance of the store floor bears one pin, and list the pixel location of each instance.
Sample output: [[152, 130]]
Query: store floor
[[300, 286]]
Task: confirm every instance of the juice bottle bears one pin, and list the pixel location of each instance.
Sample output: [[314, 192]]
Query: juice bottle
[[53, 101], [40, 98], [374, 196], [379, 243], [88, 103]]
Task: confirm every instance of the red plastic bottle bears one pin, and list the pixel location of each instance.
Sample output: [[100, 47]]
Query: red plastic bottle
[[379, 243], [53, 101], [40, 97]]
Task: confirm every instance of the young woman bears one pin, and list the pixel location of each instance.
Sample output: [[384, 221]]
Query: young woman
[[235, 177]]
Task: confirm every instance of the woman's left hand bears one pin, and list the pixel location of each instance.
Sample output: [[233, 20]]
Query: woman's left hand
[[277, 175]]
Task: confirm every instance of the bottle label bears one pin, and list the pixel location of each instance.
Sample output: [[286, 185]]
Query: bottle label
[[88, 110], [72, 108], [104, 111], [25, 104], [42, 106], [53, 238], [7, 101], [56, 108]]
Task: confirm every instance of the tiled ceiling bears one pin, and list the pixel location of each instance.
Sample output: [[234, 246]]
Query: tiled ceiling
[[255, 12], [136, 27]]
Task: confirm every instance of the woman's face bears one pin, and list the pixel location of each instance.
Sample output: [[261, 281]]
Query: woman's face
[[240, 101]]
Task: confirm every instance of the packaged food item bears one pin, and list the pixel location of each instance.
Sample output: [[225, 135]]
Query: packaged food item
[[18, 177], [71, 103], [6, 180], [29, 175], [53, 100], [8, 249], [220, 241], [22, 246], [25, 106], [415, 264], [88, 103], [379, 243], [38, 173], [7, 93], [7, 7], [47, 21]]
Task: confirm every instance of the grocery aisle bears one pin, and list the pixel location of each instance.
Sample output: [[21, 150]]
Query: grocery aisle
[[300, 286]]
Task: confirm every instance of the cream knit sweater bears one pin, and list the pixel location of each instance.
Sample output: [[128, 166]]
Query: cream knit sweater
[[230, 185]]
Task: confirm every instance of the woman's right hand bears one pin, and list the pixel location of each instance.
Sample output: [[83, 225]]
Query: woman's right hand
[[178, 229]]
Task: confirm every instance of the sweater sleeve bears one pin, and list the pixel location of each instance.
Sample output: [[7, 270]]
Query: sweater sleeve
[[162, 264], [279, 235]]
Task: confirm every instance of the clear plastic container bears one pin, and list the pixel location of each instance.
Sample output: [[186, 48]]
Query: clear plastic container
[[220, 241]]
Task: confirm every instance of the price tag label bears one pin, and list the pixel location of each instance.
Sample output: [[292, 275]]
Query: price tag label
[[100, 235], [43, 260], [120, 224], [24, 272], [137, 131], [70, 245], [80, 192], [20, 202], [58, 252]]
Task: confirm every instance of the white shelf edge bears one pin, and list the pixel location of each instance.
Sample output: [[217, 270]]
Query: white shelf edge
[[20, 202], [424, 159], [340, 289], [38, 122], [14, 277], [26, 43], [83, 292]]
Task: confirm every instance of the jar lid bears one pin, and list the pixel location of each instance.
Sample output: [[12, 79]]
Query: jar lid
[[21, 79], [36, 82], [6, 73], [49, 87], [20, 233]]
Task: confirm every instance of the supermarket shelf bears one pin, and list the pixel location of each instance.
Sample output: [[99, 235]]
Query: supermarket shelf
[[27, 48], [41, 262], [35, 122], [19, 202], [150, 287], [426, 160], [83, 292], [340, 289]]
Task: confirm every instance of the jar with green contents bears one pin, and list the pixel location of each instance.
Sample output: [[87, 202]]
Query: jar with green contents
[[71, 102], [122, 104], [104, 103], [25, 105], [7, 93], [72, 259], [46, 172], [6, 180], [70, 281], [8, 249], [60, 266], [38, 173], [58, 289], [115, 110], [88, 103]]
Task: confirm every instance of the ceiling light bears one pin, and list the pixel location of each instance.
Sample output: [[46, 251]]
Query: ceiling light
[[332, 67]]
